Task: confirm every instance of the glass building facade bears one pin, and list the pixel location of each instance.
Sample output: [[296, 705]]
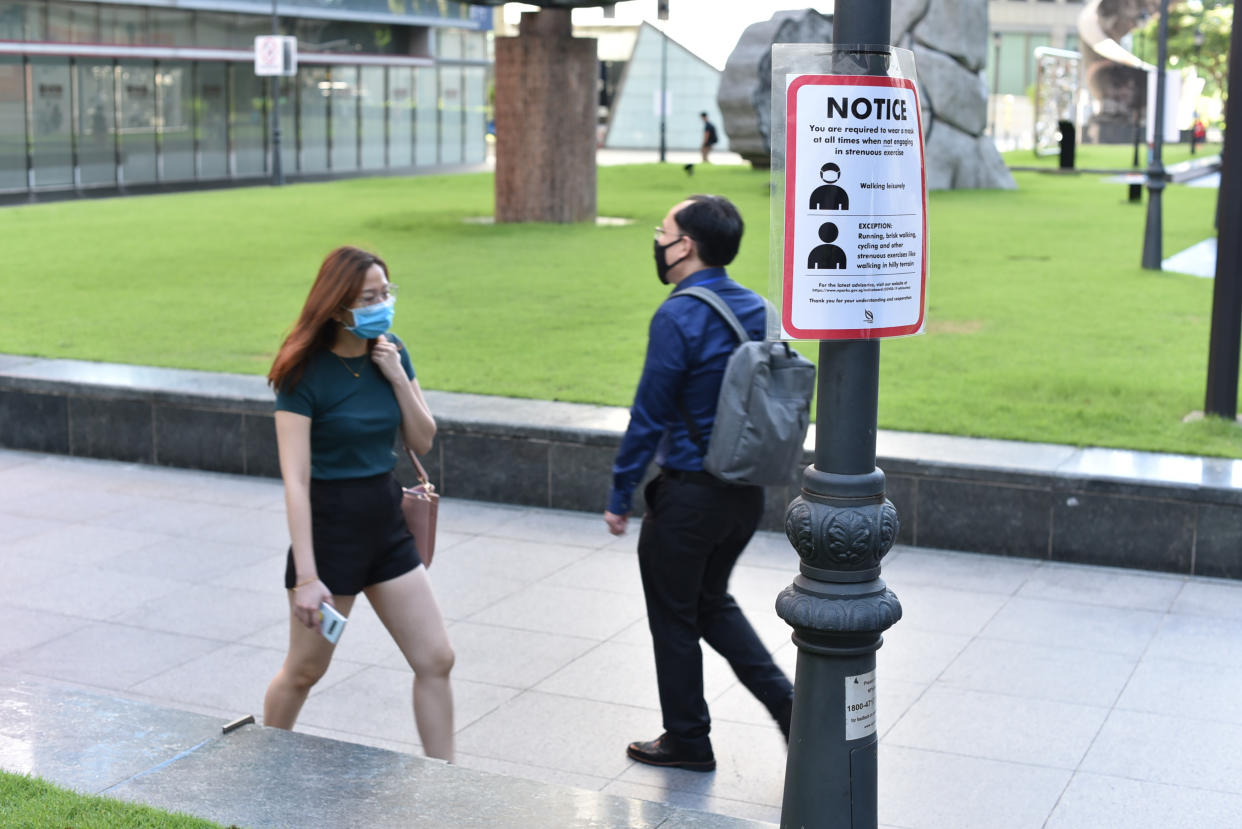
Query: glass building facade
[[96, 95]]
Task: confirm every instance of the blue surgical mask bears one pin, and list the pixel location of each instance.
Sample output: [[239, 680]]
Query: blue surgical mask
[[372, 320]]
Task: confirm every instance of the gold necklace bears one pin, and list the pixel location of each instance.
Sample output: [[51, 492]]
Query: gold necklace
[[357, 373]]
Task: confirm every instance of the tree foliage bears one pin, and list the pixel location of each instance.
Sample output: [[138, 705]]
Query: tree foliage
[[1212, 19]]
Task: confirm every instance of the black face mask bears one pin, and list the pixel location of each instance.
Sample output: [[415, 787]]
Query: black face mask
[[662, 267]]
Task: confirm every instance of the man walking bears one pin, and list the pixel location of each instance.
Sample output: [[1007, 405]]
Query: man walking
[[709, 136], [696, 525]]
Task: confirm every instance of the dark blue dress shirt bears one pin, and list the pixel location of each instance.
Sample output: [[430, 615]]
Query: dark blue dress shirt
[[688, 346]]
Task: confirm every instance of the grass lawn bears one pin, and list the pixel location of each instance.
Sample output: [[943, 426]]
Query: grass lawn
[[1110, 156], [1042, 325], [32, 802]]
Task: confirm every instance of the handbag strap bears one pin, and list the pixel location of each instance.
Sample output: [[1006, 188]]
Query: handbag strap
[[418, 467]]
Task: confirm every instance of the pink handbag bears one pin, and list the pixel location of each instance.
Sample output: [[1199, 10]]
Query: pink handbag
[[419, 504]]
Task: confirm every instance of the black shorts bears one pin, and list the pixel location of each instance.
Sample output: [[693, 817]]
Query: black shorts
[[359, 534]]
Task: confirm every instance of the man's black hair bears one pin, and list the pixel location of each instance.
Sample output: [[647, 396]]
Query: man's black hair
[[715, 226], [702, 114]]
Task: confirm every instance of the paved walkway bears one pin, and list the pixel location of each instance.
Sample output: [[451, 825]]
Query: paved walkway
[[1014, 693]]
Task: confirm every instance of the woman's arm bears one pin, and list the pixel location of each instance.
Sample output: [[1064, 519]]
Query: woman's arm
[[418, 427], [293, 445]]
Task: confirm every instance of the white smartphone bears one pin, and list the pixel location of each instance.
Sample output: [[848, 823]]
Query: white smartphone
[[331, 622]]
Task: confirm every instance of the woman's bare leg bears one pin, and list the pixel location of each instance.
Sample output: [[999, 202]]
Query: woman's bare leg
[[409, 610], [307, 660]]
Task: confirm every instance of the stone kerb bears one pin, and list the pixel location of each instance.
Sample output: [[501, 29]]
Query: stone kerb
[[1110, 507]]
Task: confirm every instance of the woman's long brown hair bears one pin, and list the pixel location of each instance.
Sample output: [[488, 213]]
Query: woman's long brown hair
[[336, 288]]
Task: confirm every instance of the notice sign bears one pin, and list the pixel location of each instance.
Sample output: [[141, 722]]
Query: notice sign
[[275, 55], [860, 706], [855, 258]]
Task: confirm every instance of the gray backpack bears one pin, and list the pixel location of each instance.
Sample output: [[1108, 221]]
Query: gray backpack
[[763, 409]]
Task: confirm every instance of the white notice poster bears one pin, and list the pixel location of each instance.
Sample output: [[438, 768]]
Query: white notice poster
[[860, 706], [855, 258]]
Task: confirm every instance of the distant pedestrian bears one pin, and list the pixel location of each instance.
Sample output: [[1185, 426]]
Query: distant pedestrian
[[696, 525], [1198, 132], [344, 388], [710, 138]]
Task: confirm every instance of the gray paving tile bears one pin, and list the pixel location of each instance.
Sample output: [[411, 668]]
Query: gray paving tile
[[591, 614], [388, 711], [999, 727], [930, 790], [1091, 801], [575, 529], [190, 560], [21, 573], [463, 591], [1103, 586], [512, 560], [96, 592], [604, 570], [1206, 639], [1171, 750], [16, 527], [473, 517], [944, 610], [265, 573], [108, 656], [233, 678], [195, 486], [511, 657], [170, 517], [770, 550], [24, 628], [1209, 597], [695, 800], [209, 612], [240, 525], [917, 656], [1046, 672], [959, 571], [1195, 690], [621, 673], [566, 733], [401, 746], [84, 543], [1071, 624]]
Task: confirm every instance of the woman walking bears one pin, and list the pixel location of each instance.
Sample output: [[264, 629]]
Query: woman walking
[[344, 387]]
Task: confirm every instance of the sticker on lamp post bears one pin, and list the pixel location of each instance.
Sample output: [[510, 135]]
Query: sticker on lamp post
[[855, 234], [859, 706]]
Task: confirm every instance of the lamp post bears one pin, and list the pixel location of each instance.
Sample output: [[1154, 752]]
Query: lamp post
[[663, 84], [996, 47], [1152, 237], [841, 526], [1226, 333], [278, 173]]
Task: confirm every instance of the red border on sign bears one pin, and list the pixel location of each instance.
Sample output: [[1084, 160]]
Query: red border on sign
[[791, 168]]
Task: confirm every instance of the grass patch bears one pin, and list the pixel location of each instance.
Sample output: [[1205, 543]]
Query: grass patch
[[1109, 156], [1042, 325], [33, 802]]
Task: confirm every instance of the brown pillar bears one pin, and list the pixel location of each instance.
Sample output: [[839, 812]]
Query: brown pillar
[[545, 122]]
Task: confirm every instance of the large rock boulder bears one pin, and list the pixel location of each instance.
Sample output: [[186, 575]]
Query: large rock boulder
[[950, 41]]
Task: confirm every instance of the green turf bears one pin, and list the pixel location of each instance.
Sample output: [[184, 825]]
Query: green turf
[[1109, 156], [1042, 325], [35, 803]]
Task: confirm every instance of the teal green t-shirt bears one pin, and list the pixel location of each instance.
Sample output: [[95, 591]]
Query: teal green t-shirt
[[354, 420]]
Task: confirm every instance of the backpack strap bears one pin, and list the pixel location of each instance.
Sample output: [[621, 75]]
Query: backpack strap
[[719, 306], [726, 313]]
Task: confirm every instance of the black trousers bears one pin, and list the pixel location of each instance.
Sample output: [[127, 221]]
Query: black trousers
[[691, 537]]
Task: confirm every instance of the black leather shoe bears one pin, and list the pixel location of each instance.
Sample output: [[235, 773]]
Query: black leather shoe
[[662, 752]]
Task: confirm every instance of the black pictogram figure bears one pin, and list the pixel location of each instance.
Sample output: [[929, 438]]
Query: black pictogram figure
[[828, 255], [828, 196]]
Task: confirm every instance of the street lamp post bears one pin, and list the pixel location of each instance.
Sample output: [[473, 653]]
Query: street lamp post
[[841, 525], [996, 49], [278, 173], [663, 91], [1153, 236]]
